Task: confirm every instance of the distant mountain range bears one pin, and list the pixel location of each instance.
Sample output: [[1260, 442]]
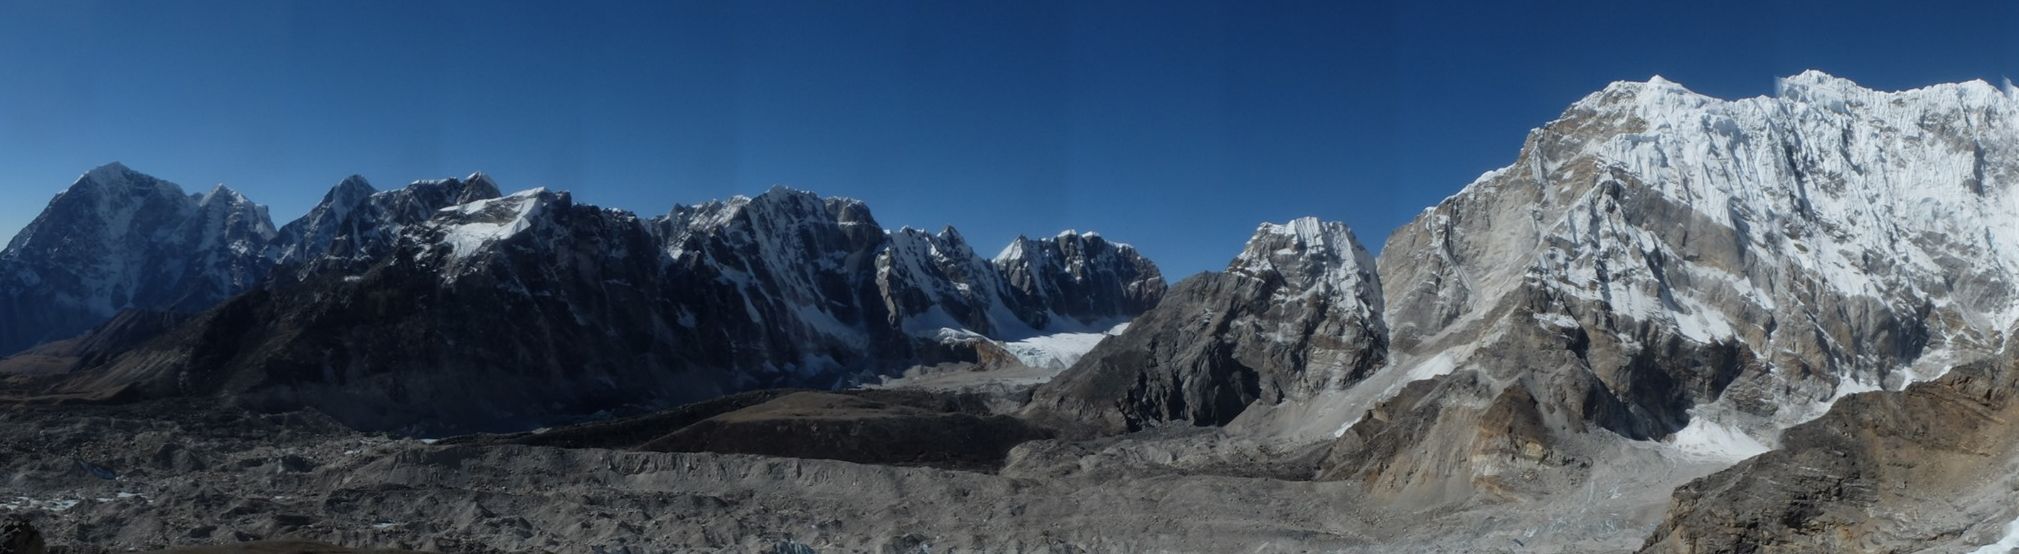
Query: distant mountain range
[[1794, 311], [444, 305]]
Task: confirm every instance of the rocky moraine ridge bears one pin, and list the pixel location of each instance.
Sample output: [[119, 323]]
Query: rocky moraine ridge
[[1673, 323]]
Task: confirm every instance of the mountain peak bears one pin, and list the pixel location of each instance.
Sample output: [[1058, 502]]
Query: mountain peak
[[1815, 77], [350, 191], [109, 172], [478, 187], [1306, 233], [779, 195], [117, 174], [1310, 252], [781, 202], [220, 192], [479, 178], [1075, 234]]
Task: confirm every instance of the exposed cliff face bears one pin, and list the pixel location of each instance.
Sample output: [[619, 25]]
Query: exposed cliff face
[[1945, 451], [791, 270], [356, 224], [1694, 273], [1840, 238], [1296, 313], [118, 239], [1078, 281], [1659, 275]]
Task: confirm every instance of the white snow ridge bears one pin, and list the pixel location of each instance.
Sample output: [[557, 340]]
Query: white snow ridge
[[471, 226]]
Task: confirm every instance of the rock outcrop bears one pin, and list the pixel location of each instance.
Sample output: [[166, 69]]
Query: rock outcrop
[[1944, 450], [1297, 312]]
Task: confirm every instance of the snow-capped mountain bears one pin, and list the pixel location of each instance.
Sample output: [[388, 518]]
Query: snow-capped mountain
[[565, 308], [1839, 236], [1103, 283], [1657, 267], [1298, 312], [790, 272], [355, 222], [1793, 313], [119, 239], [1663, 265]]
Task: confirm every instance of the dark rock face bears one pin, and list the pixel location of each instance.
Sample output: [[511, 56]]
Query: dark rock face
[[798, 284], [1452, 439], [18, 537], [783, 285], [118, 239], [1078, 280], [1729, 252], [1937, 449], [442, 334], [1656, 258], [930, 281], [1298, 312], [356, 223], [502, 313]]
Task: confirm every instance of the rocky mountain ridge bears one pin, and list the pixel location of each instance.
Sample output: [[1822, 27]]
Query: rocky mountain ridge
[[1659, 273], [382, 299], [1296, 313]]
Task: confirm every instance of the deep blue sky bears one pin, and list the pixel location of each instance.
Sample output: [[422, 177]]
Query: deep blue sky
[[1173, 126]]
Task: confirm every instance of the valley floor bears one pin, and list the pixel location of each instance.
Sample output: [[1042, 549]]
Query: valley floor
[[177, 474]]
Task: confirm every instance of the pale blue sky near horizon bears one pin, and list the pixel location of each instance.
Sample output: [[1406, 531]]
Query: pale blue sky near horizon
[[1175, 126]]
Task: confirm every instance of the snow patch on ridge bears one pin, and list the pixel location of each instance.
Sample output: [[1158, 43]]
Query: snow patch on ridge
[[1709, 440], [487, 221], [1059, 350]]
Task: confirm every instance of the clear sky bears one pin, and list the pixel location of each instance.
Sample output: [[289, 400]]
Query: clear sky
[[1176, 126]]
